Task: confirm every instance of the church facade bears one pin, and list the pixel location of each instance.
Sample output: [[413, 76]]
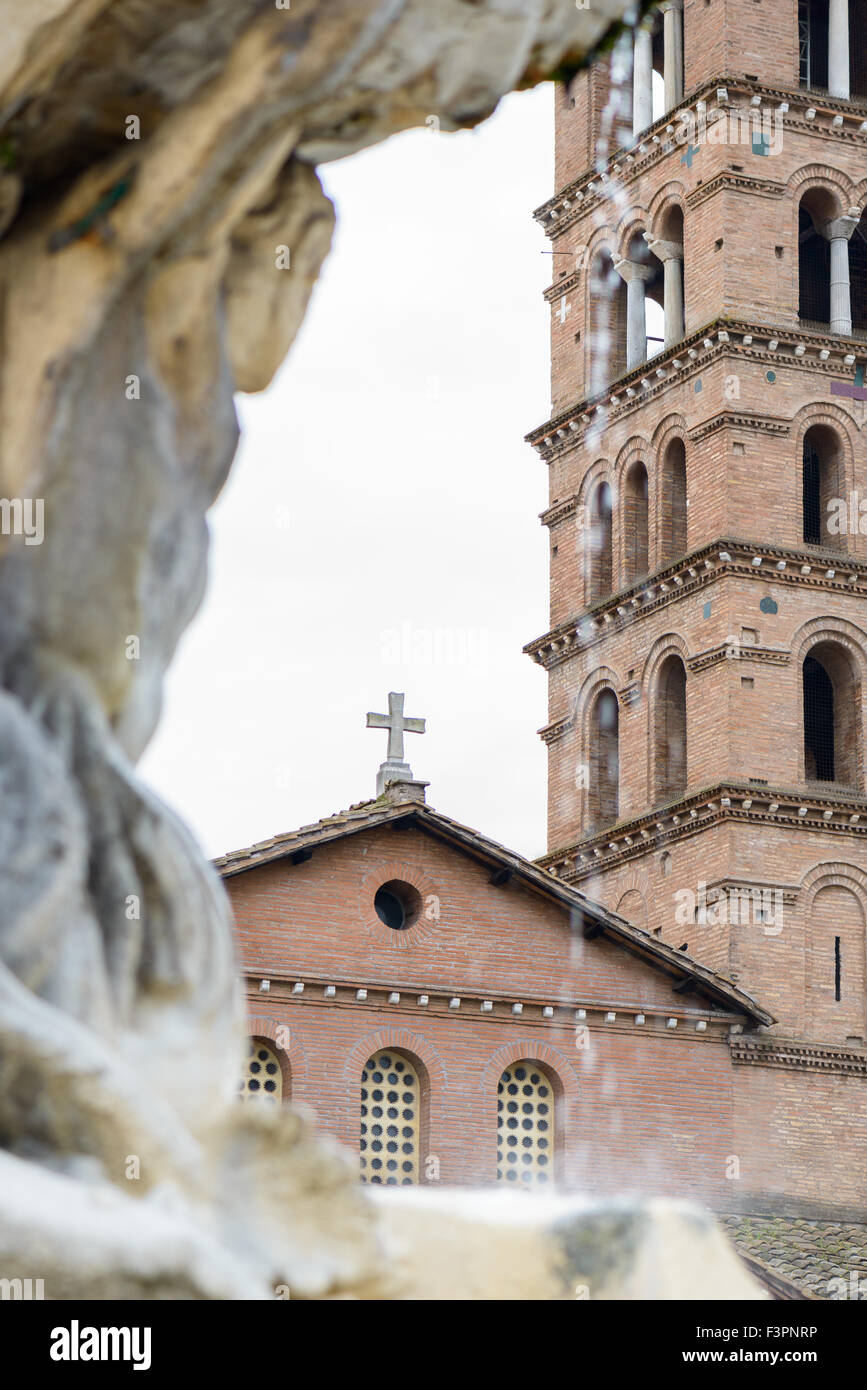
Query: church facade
[[457, 1015], [675, 996]]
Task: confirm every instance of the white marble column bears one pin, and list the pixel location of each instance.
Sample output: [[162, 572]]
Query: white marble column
[[672, 34], [838, 233], [838, 48], [671, 255], [636, 276], [642, 80]]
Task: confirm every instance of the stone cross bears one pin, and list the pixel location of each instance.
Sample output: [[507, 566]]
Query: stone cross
[[394, 769], [396, 724]]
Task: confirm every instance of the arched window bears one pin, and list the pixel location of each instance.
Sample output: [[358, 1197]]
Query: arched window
[[603, 792], [832, 716], [263, 1077], [673, 532], [669, 742], [390, 1120], [635, 523], [821, 482], [525, 1126], [600, 543], [814, 257]]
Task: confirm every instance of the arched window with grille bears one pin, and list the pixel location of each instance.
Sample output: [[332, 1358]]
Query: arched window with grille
[[669, 717], [526, 1122], [263, 1075], [832, 716], [814, 257], [821, 482], [390, 1126]]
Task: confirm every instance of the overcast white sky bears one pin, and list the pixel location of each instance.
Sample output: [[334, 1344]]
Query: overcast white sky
[[380, 528]]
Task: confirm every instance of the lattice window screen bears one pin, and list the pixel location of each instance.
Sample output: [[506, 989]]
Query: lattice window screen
[[262, 1079], [390, 1105], [525, 1126]]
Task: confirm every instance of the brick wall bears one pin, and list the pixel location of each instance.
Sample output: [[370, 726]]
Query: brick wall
[[738, 396], [651, 1115], [737, 405], [301, 920], [641, 1106]]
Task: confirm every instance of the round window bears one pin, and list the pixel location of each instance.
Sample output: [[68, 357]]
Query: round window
[[397, 904]]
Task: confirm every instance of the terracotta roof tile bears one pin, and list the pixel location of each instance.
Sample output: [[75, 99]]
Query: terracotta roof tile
[[826, 1259]]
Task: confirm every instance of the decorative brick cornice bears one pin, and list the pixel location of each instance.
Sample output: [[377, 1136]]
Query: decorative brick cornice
[[569, 427], [800, 1056], [552, 732], [729, 419], [726, 181], [586, 630], [524, 1011], [568, 283], [772, 656], [788, 892], [808, 112], [838, 813], [560, 511], [813, 568], [797, 348]]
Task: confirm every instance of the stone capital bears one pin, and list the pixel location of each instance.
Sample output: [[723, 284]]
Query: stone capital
[[632, 270], [841, 228], [664, 250], [671, 6]]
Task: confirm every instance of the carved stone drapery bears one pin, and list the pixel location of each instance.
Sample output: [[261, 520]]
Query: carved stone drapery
[[162, 226]]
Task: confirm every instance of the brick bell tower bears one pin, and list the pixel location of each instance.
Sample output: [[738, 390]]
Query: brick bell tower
[[707, 453]]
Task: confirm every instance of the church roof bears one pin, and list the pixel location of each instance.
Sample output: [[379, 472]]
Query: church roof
[[400, 804], [821, 1259]]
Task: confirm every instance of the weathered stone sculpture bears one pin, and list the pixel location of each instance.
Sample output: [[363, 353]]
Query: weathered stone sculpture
[[161, 226]]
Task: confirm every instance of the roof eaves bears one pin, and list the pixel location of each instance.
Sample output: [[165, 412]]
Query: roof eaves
[[366, 815]]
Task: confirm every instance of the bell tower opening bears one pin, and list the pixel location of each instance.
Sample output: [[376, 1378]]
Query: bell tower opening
[[832, 716]]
